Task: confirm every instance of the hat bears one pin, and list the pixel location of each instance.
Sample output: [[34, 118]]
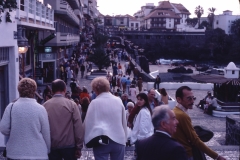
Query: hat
[[130, 104]]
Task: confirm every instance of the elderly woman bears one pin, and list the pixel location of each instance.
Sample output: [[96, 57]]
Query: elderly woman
[[105, 123], [27, 121]]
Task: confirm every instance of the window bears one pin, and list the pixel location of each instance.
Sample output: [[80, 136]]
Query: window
[[132, 24], [169, 25], [217, 22], [136, 24], [159, 19], [169, 19], [233, 72]]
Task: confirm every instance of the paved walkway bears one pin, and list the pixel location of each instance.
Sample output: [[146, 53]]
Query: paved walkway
[[217, 125]]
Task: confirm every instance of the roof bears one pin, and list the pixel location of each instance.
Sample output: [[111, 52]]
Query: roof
[[227, 11], [158, 13], [165, 5], [181, 8], [231, 66]]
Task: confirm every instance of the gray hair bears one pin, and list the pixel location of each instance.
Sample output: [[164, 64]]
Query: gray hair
[[160, 113], [100, 85]]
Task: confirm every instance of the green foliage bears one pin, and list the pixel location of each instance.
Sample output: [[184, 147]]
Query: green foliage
[[100, 58], [235, 28], [100, 40], [211, 16], [7, 4], [205, 24], [199, 12], [192, 21]]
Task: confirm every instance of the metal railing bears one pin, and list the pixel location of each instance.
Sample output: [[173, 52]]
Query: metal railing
[[33, 11]]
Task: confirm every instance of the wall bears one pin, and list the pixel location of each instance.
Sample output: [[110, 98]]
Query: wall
[[233, 130], [7, 40]]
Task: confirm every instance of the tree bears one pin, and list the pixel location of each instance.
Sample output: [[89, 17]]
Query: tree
[[192, 21], [235, 28], [199, 12], [211, 16], [205, 24], [100, 40], [99, 58]]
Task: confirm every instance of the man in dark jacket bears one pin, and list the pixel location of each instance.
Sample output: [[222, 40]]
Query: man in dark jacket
[[160, 145], [82, 68]]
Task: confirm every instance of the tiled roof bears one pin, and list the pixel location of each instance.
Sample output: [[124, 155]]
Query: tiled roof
[[227, 11], [165, 5], [158, 13], [181, 8]]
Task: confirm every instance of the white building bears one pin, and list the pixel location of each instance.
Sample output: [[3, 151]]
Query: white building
[[9, 61], [31, 18], [141, 14], [225, 20], [231, 71], [134, 24]]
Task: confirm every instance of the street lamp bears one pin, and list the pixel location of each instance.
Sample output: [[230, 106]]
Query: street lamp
[[22, 51], [22, 46]]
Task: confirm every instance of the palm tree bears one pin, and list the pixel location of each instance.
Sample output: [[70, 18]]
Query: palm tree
[[211, 16], [199, 12]]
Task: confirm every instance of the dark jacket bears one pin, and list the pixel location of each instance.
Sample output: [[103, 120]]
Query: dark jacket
[[160, 147]]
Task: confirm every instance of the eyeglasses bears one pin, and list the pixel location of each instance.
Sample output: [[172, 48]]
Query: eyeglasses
[[191, 98]]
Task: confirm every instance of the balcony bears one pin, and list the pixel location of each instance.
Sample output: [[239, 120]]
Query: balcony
[[74, 4], [67, 13], [64, 39], [34, 14], [87, 13]]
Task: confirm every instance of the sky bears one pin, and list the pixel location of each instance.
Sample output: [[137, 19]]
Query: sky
[[116, 7]]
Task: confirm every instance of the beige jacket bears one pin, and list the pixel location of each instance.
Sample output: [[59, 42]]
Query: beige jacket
[[65, 123]]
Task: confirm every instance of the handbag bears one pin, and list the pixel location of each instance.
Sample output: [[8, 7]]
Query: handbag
[[205, 135], [5, 150]]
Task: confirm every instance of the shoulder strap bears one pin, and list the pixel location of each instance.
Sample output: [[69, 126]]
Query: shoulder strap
[[11, 115]]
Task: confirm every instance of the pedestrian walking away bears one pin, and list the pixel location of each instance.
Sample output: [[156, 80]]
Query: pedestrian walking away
[[67, 138]]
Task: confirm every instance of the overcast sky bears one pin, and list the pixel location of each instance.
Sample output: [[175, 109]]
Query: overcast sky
[[123, 7]]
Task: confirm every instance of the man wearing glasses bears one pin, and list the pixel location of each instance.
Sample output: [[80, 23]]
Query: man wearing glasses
[[185, 133]]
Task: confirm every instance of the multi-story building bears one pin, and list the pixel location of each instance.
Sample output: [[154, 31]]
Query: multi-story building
[[68, 19], [224, 21], [19, 39], [166, 17], [141, 14], [116, 23], [134, 24]]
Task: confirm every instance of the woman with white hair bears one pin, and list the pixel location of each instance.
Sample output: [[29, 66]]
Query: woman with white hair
[[27, 121], [105, 123]]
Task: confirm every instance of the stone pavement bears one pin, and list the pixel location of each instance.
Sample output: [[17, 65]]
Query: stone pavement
[[217, 125]]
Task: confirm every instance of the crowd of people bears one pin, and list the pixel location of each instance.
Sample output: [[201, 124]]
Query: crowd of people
[[117, 112], [61, 126]]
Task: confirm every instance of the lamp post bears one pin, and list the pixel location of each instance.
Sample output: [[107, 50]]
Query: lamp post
[[22, 51], [22, 46]]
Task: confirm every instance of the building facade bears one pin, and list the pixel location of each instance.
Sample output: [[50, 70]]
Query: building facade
[[166, 17], [224, 21], [68, 19]]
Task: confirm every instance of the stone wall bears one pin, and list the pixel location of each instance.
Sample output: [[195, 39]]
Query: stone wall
[[233, 130]]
